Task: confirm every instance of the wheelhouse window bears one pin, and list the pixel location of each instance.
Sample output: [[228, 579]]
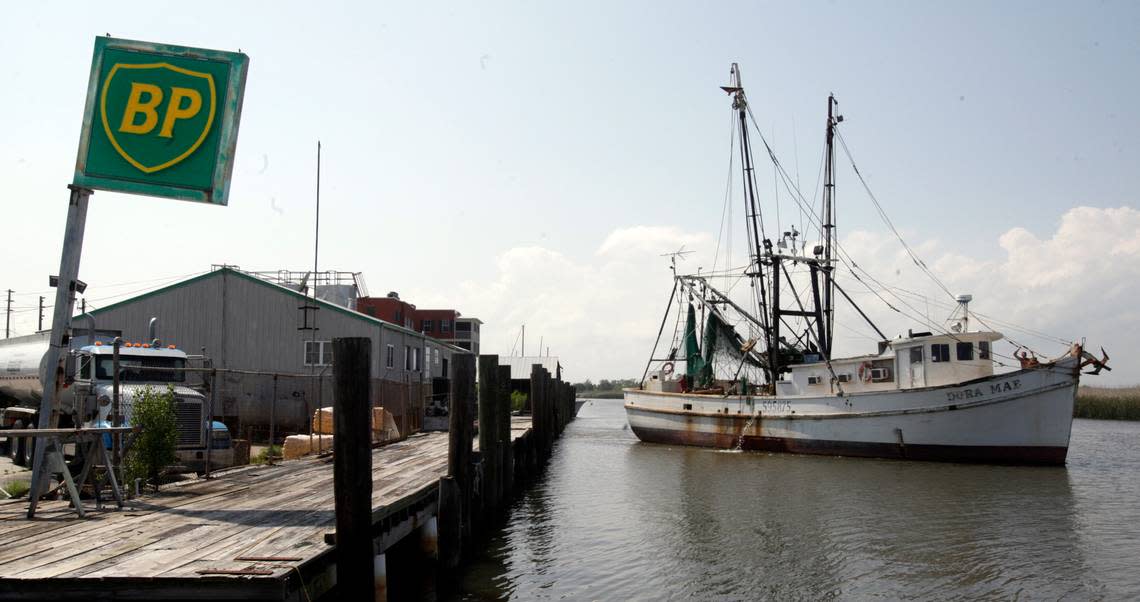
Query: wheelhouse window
[[916, 355], [984, 350], [318, 353], [940, 352], [965, 351]]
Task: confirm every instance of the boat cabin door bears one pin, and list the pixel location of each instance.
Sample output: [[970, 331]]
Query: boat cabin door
[[917, 374]]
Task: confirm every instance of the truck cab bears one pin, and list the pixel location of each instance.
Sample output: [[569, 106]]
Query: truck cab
[[140, 366], [88, 392]]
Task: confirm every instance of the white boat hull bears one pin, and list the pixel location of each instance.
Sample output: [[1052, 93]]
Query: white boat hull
[[1022, 417]]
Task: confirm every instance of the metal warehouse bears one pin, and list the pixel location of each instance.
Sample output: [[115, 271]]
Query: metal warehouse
[[244, 323]]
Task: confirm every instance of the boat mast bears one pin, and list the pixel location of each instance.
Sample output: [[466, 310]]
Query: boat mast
[[833, 118], [755, 223]]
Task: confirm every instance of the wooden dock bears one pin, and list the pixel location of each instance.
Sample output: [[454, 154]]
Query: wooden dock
[[256, 533]]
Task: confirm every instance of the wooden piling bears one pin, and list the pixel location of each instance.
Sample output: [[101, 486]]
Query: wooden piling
[[548, 410], [450, 541], [489, 437], [458, 455], [352, 468], [566, 408], [503, 430], [535, 399]]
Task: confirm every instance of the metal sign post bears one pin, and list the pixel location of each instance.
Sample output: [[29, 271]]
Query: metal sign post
[[58, 345]]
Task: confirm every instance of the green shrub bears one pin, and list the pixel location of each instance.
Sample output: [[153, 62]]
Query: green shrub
[[154, 447], [518, 401], [262, 456], [16, 488]]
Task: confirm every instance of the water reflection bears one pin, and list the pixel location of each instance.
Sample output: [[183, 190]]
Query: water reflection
[[618, 519]]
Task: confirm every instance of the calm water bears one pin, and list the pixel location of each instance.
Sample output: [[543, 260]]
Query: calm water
[[616, 519]]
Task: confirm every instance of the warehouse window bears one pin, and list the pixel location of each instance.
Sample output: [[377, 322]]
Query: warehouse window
[[416, 358], [407, 357], [318, 353], [445, 325], [391, 362], [426, 326]]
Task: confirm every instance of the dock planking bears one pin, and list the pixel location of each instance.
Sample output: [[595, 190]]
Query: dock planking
[[274, 518]]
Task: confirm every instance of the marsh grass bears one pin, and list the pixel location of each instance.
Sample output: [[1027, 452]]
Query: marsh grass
[[1108, 403]]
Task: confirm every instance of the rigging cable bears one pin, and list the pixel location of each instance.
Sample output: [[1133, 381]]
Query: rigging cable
[[664, 318], [887, 220], [726, 210], [798, 197]]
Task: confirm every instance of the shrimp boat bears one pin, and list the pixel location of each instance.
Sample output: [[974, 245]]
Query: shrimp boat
[[761, 375]]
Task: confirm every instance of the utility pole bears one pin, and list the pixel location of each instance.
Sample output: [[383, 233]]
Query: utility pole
[[41, 324], [8, 316]]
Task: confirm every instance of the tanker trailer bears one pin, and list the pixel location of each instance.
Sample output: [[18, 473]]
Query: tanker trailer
[[88, 389]]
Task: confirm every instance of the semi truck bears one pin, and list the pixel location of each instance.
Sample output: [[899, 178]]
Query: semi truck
[[88, 390]]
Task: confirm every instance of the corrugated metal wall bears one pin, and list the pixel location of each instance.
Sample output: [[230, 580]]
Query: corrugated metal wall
[[246, 324]]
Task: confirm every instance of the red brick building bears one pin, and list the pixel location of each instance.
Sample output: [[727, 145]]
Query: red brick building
[[390, 309], [442, 324]]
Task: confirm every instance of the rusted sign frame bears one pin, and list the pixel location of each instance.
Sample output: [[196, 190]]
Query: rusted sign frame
[[230, 117]]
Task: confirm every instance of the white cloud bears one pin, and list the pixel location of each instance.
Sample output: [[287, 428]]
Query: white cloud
[[601, 314], [1081, 281]]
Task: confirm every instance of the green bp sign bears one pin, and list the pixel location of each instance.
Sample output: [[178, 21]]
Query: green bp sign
[[161, 120]]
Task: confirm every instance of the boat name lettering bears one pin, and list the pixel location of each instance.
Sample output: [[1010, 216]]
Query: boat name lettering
[[976, 392], [1009, 385]]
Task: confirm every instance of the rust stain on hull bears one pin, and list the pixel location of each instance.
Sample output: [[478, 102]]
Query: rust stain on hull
[[727, 438]]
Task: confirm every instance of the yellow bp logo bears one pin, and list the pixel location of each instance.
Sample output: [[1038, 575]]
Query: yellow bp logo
[[157, 114]]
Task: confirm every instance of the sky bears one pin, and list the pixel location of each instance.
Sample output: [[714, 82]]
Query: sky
[[529, 163]]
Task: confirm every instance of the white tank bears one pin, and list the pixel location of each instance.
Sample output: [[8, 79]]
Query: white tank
[[22, 364]]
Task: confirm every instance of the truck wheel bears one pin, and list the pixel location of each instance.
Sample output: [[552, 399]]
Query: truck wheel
[[21, 456], [13, 442]]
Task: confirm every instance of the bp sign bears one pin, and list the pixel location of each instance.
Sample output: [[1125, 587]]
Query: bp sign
[[161, 120]]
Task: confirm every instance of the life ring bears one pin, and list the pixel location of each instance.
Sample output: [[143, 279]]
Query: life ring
[[667, 368], [865, 372]]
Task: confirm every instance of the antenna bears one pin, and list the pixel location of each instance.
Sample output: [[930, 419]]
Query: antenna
[[964, 304], [679, 253]]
